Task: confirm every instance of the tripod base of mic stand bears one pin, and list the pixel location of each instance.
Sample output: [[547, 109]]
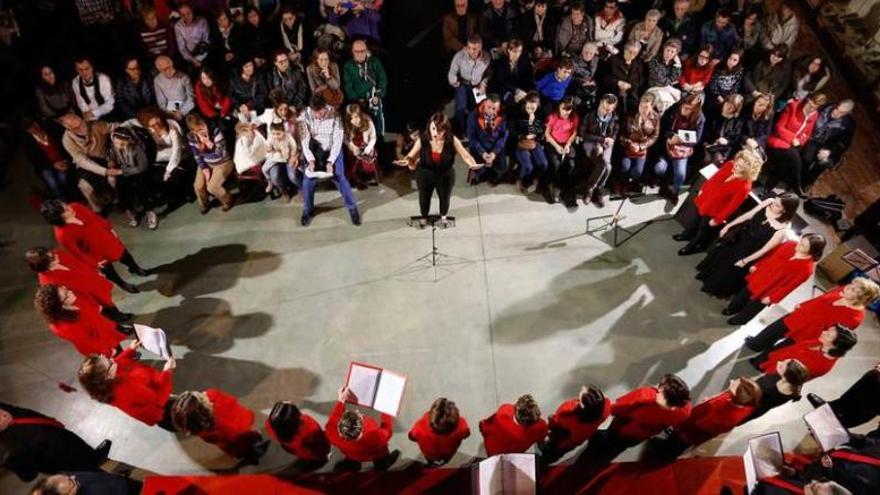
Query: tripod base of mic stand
[[440, 264], [613, 220]]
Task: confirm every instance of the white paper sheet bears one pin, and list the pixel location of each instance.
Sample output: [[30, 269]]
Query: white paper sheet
[[153, 340], [826, 428], [490, 477], [767, 454], [479, 96], [749, 468], [363, 381], [507, 474], [389, 392]]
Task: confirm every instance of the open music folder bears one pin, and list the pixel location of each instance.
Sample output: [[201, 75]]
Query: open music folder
[[153, 340], [763, 459], [826, 428], [376, 388], [506, 474]]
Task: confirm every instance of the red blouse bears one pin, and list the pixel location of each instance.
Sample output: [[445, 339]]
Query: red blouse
[[82, 279], [372, 445], [139, 390], [808, 352], [309, 443], [90, 332], [692, 73], [94, 241], [503, 435], [712, 417], [637, 416], [571, 431], [232, 431], [792, 124], [812, 317], [777, 274], [208, 99], [719, 197], [436, 446]]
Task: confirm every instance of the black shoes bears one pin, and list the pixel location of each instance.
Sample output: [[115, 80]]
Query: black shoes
[[752, 345], [815, 400], [130, 288], [386, 463], [103, 450], [727, 312], [257, 451], [305, 220], [680, 237], [548, 195], [355, 217], [140, 272], [597, 198]]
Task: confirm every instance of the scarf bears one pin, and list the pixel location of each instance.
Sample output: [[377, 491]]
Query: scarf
[[96, 82], [286, 35]]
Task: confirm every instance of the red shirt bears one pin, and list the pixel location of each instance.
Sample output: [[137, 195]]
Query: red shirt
[[82, 279], [232, 431], [777, 274], [436, 446], [719, 197], [691, 73], [567, 431], [503, 435], [812, 317], [712, 417], [94, 241], [309, 443], [140, 391], [372, 445], [208, 99], [561, 129], [808, 352], [792, 124], [637, 416], [90, 332]]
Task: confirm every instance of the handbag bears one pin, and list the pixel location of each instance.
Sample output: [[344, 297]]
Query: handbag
[[333, 97]]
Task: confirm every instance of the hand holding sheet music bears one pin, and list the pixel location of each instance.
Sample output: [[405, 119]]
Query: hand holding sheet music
[[506, 474], [153, 340], [376, 388], [826, 428]]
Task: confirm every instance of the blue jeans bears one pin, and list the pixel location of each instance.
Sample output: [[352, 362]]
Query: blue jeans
[[462, 101], [56, 181], [529, 160], [497, 169], [634, 167], [339, 180], [276, 173], [679, 170]]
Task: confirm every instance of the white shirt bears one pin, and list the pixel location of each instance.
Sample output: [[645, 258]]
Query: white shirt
[[106, 88]]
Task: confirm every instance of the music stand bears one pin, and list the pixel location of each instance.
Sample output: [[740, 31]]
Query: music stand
[[613, 221], [434, 260], [435, 222]]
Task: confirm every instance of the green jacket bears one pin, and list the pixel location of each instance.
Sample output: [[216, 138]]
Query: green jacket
[[357, 88]]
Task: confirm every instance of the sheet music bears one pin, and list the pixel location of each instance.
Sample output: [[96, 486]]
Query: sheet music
[[767, 454], [389, 392], [363, 382], [519, 476], [153, 340], [826, 428], [749, 468], [479, 96], [490, 476]]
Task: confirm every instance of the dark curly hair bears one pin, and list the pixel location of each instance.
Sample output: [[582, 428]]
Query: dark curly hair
[[38, 258], [94, 379], [53, 211], [675, 390], [48, 303], [444, 416], [592, 404], [192, 414], [527, 411], [285, 419]]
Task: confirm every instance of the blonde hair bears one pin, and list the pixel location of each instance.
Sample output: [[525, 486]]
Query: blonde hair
[[747, 164], [869, 291]]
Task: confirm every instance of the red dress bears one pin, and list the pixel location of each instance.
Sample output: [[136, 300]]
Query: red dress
[[637, 416], [90, 332], [94, 241], [691, 73], [373, 442], [792, 124], [503, 435], [139, 390], [719, 197], [777, 274], [808, 352], [436, 446], [366, 164], [567, 431], [712, 417], [309, 443], [812, 317], [209, 99], [232, 431], [82, 279]]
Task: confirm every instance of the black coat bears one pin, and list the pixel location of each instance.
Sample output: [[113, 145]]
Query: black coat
[[505, 81], [528, 28], [617, 70]]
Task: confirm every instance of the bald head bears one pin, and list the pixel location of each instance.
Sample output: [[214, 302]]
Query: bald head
[[165, 65]]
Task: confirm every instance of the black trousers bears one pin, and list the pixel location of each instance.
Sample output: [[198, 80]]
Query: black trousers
[[562, 170], [812, 166], [112, 275], [860, 403], [137, 193], [604, 447], [430, 179], [744, 307], [784, 165], [699, 233], [770, 335]]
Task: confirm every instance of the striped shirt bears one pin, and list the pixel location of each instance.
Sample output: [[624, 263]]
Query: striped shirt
[[155, 41]]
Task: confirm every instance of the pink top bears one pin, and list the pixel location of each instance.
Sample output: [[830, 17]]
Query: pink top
[[561, 129]]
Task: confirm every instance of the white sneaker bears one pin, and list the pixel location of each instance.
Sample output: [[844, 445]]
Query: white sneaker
[[152, 220]]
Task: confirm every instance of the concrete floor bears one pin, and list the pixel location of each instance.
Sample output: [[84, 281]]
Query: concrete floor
[[267, 310]]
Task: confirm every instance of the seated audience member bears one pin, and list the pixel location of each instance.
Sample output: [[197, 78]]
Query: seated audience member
[[718, 198], [299, 434], [513, 428], [255, 37], [157, 38], [598, 132], [58, 267], [774, 276], [49, 159], [79, 321], [679, 24], [359, 438], [726, 79], [648, 34], [844, 305], [467, 72], [720, 34], [780, 27], [528, 131], [217, 418], [84, 483], [685, 117], [574, 422], [749, 31], [88, 144], [696, 73], [859, 404], [227, 42], [321, 139], [553, 86], [174, 162], [54, 98], [487, 135], [664, 72], [174, 91], [538, 28], [136, 389], [832, 136], [724, 130], [279, 112], [624, 75], [364, 81], [560, 135], [193, 37], [793, 130], [573, 32], [439, 432], [639, 133], [585, 73], [809, 74], [498, 23], [608, 27], [358, 21], [92, 91], [250, 149], [769, 76], [212, 102], [324, 78], [289, 78], [818, 355], [248, 91], [512, 75], [135, 188], [282, 159], [296, 35], [779, 386], [459, 26], [361, 166], [214, 163], [851, 469], [757, 118], [133, 91], [33, 443]]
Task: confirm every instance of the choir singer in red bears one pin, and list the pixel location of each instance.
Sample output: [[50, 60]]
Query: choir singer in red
[[818, 355], [359, 438], [574, 422], [514, 427], [299, 434], [439, 432], [79, 321]]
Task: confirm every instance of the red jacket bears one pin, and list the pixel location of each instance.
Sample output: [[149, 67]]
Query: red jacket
[[84, 280], [503, 435], [208, 99], [567, 431], [777, 274], [792, 124], [372, 445], [637, 416], [808, 352], [90, 332], [436, 446], [812, 317], [140, 391], [691, 73], [712, 417], [94, 241], [719, 197], [232, 431], [309, 443]]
